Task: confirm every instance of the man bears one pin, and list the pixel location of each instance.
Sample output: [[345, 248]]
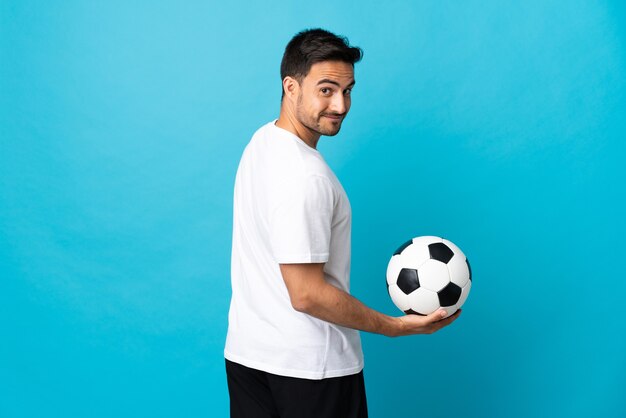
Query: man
[[293, 347]]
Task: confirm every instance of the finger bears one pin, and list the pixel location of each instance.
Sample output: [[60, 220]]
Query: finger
[[447, 321], [438, 315]]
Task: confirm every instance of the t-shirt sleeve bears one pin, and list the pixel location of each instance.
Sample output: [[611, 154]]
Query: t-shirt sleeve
[[300, 223]]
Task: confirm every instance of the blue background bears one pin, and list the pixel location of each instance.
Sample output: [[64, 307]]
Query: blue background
[[498, 125]]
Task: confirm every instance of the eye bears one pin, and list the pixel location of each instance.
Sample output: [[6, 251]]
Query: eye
[[325, 90], [347, 92]]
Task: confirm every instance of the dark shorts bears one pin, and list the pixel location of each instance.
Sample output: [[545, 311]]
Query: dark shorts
[[257, 394]]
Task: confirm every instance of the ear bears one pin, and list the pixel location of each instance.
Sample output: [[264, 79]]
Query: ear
[[291, 87]]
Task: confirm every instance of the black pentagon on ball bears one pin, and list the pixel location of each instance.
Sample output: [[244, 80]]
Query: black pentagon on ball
[[440, 252], [469, 268], [403, 246], [408, 280], [449, 295]]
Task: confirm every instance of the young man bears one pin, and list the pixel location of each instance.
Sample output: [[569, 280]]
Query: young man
[[293, 347]]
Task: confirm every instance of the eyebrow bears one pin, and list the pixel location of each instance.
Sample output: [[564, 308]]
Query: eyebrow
[[328, 80]]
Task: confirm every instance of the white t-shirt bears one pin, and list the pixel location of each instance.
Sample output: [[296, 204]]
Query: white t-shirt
[[289, 207]]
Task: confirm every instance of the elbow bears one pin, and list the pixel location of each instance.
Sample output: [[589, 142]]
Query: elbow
[[305, 285], [302, 302]]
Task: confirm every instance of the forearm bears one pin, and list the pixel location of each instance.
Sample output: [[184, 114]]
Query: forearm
[[334, 305], [312, 294]]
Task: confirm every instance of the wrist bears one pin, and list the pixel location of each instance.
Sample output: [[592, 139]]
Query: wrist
[[394, 326]]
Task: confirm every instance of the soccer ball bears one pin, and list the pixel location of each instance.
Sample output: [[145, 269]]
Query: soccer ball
[[428, 273]]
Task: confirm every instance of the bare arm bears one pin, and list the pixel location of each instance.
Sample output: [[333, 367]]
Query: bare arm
[[312, 294]]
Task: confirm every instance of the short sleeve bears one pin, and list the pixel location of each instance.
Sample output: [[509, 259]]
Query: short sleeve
[[300, 223]]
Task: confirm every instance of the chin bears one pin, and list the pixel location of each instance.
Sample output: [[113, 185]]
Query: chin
[[332, 131]]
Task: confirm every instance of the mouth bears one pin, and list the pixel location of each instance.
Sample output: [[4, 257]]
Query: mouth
[[333, 117]]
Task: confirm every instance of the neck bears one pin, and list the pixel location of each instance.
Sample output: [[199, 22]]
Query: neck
[[289, 122]]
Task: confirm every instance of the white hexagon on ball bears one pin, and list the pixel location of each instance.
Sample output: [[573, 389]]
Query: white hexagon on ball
[[459, 271], [393, 269], [433, 275], [426, 299], [399, 298]]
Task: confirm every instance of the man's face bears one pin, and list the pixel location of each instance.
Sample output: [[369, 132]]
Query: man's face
[[324, 97]]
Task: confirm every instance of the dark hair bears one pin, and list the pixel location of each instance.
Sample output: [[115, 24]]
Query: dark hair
[[312, 46]]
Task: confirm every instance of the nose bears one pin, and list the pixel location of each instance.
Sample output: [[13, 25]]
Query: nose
[[338, 104]]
